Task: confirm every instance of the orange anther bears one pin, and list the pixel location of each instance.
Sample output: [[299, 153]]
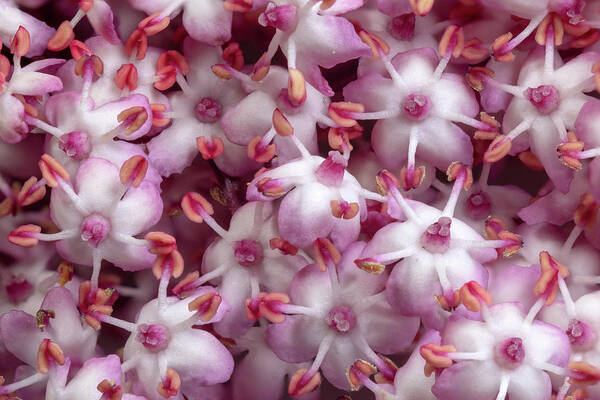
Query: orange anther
[[261, 68], [302, 383], [221, 71], [206, 305], [78, 49], [65, 271], [62, 38], [296, 87], [31, 192], [281, 124], [472, 295], [268, 306], [339, 138], [386, 181], [343, 209], [583, 373], [133, 118], [25, 235], [153, 24], [233, 56], [474, 51], [456, 169], [260, 152], [370, 265], [94, 62], [325, 252], [284, 246], [161, 243], [133, 171], [210, 148], [490, 131], [453, 40], [551, 24], [110, 390], [436, 355], [342, 113], [514, 243], [137, 41], [169, 386], [271, 187], [186, 284], [172, 262], [499, 48], [498, 149], [477, 76], [127, 75], [413, 179], [195, 206], [165, 77], [377, 44], [547, 284], [158, 118], [359, 370], [568, 152], [174, 58], [49, 351], [20, 43], [421, 7]]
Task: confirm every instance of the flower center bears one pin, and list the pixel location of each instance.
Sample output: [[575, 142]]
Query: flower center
[[544, 98], [154, 337], [436, 238], [341, 319], [479, 205], [416, 106], [208, 110], [402, 27], [18, 289], [280, 17], [331, 171], [76, 144], [581, 335], [510, 352], [94, 229], [248, 252]]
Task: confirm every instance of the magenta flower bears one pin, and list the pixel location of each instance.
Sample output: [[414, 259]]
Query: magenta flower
[[313, 30], [247, 259], [508, 353], [338, 316]]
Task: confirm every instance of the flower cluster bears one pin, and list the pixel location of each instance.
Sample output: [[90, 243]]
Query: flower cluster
[[300, 199]]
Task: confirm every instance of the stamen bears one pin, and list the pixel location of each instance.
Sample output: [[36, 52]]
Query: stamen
[[127, 75], [359, 372], [210, 148], [473, 296], [325, 253], [582, 373], [52, 170], [170, 384], [110, 390], [206, 305], [31, 192], [133, 171], [48, 353], [302, 383], [62, 38]]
